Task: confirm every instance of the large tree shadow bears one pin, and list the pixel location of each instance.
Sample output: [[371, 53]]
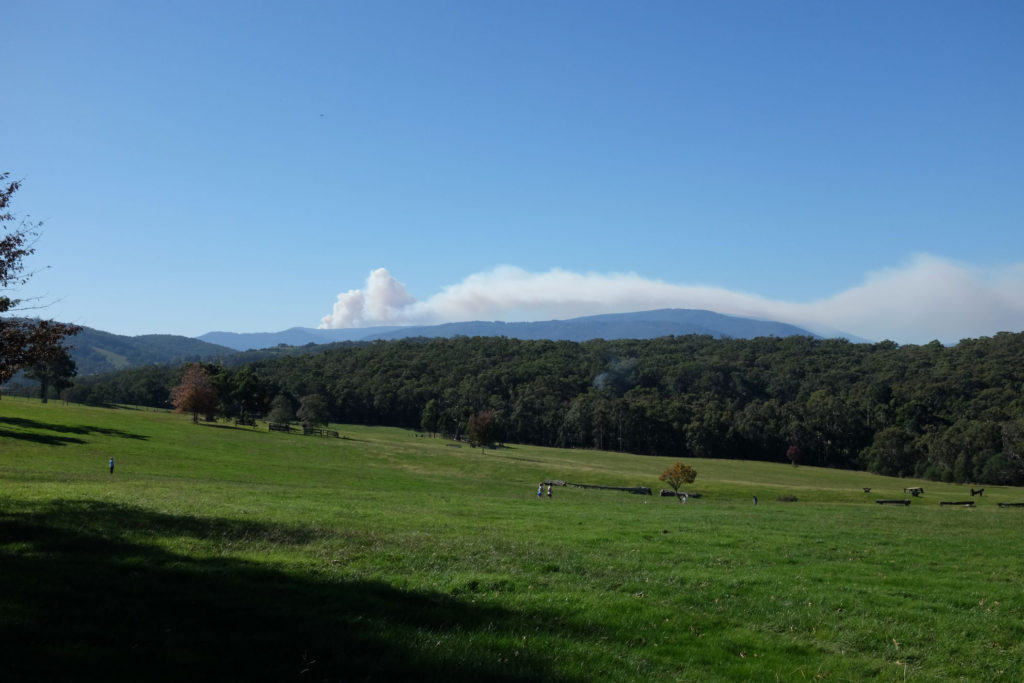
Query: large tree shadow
[[80, 602], [29, 430], [35, 437]]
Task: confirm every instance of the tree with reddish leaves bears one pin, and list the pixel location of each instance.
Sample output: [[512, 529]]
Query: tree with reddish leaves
[[196, 393], [794, 454], [23, 341], [677, 475]]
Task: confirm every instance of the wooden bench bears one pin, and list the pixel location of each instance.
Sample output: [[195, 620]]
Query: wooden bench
[[1011, 505], [893, 502], [276, 427], [964, 503]]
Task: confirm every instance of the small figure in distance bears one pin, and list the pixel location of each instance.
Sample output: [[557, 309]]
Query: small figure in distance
[[540, 490], [111, 464], [755, 500], [549, 490]]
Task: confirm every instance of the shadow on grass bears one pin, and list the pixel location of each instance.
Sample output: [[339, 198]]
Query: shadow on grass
[[46, 439], [82, 602], [36, 426]]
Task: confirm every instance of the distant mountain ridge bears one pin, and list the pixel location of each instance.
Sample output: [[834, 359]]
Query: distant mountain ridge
[[638, 325], [95, 351], [293, 336]]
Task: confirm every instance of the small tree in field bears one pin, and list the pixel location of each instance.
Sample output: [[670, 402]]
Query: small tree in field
[[196, 393], [54, 370], [281, 410], [677, 475], [794, 455], [312, 411], [481, 428], [430, 419]]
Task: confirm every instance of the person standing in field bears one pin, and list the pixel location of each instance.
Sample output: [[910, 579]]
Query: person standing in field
[[549, 490], [111, 464], [540, 490]]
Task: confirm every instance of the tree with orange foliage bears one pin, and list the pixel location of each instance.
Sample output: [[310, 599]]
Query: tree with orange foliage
[[196, 393], [677, 475]]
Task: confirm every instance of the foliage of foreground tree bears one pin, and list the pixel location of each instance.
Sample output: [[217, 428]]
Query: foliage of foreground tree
[[196, 393], [23, 342], [677, 475]]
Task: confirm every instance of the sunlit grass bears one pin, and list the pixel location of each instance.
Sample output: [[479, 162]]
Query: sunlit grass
[[253, 555]]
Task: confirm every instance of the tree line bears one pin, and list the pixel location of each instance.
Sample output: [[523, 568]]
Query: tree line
[[945, 413]]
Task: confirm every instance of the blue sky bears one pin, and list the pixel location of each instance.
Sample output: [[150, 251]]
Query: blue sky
[[247, 166]]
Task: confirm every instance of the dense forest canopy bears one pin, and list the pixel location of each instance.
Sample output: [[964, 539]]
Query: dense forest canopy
[[949, 413]]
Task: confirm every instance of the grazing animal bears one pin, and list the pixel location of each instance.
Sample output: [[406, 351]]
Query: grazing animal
[[977, 493]]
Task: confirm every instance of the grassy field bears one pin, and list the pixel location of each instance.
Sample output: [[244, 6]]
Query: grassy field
[[216, 552]]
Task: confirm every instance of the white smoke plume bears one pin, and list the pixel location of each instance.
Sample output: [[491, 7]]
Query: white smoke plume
[[926, 298], [382, 303], [929, 298]]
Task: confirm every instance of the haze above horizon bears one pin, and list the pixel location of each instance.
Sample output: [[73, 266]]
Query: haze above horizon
[[224, 166]]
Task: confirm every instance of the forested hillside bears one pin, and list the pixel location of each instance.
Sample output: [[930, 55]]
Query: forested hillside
[[949, 413], [96, 351]]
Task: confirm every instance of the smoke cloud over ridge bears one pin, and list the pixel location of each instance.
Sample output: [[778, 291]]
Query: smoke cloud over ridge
[[926, 298]]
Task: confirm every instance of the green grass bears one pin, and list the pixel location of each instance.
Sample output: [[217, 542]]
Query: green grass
[[234, 554]]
